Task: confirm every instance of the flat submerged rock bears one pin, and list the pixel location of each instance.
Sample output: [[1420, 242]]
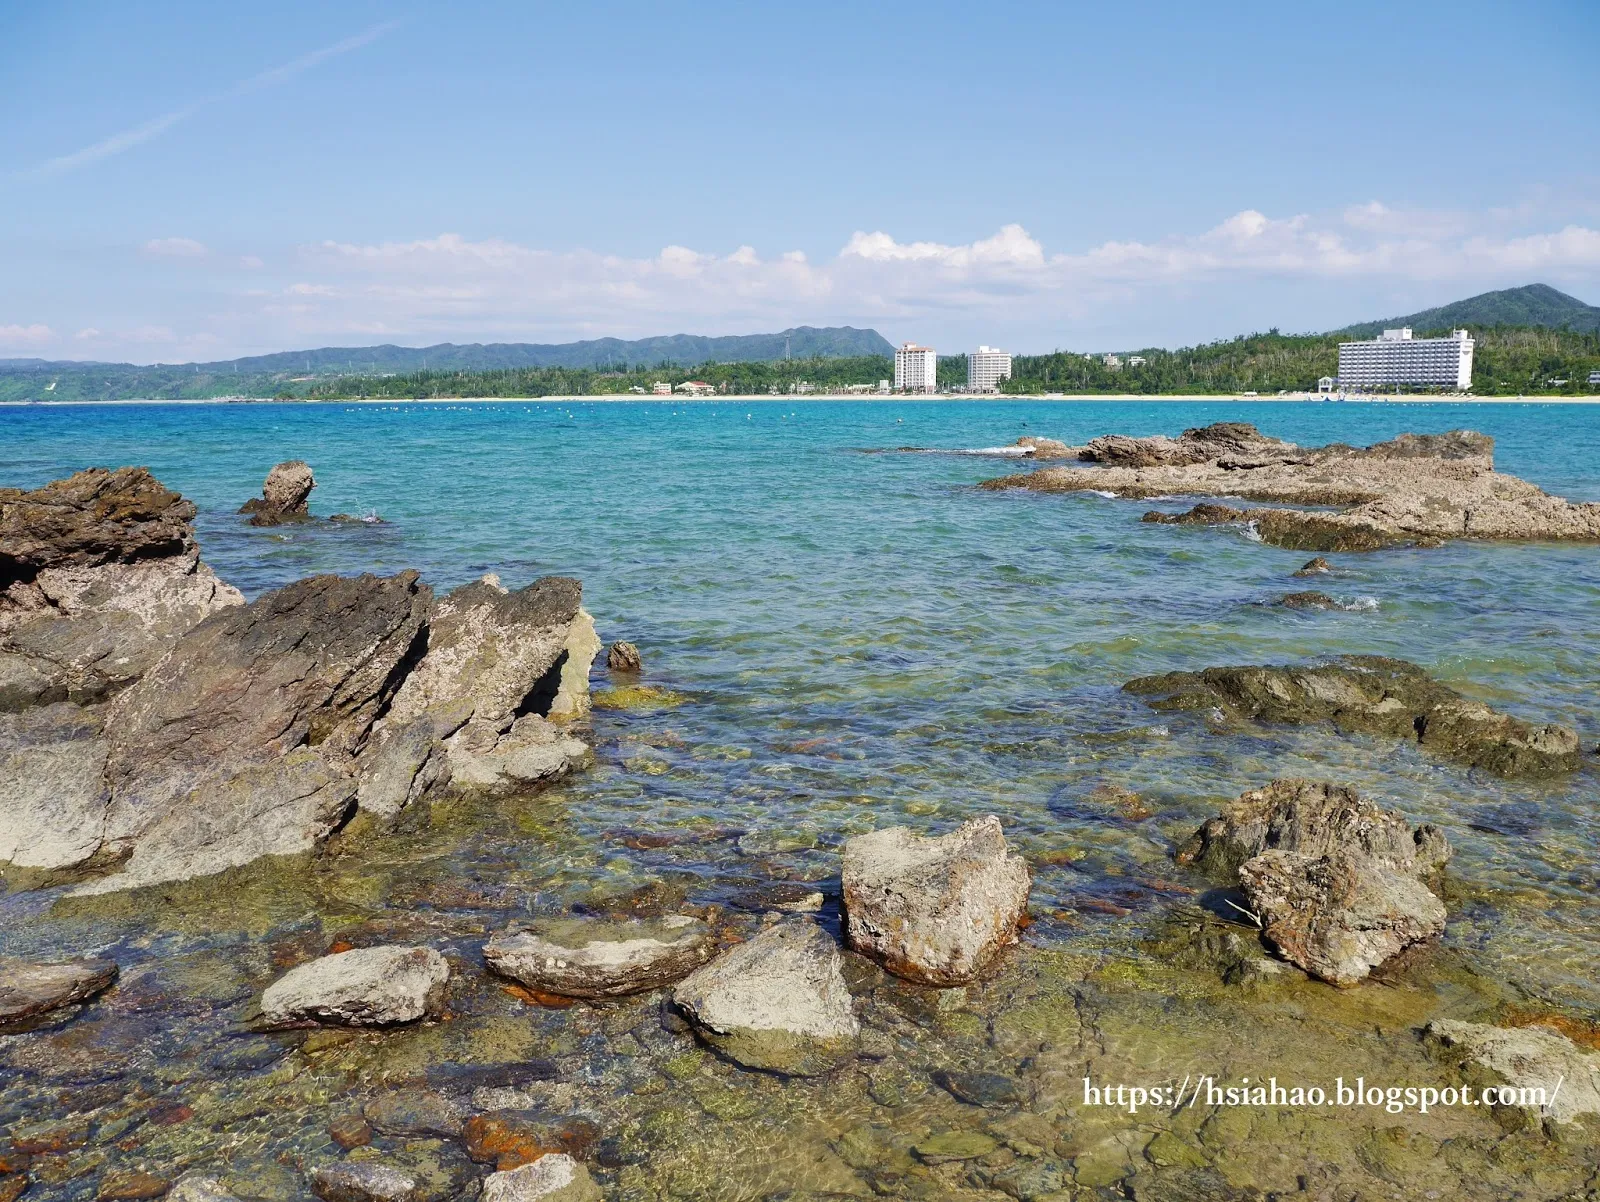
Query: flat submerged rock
[[600, 957]]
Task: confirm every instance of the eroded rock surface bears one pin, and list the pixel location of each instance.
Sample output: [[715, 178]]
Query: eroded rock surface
[[1371, 694], [600, 958], [365, 987], [1532, 1057], [1417, 487], [365, 1181], [1313, 818], [934, 910], [554, 1177], [285, 495], [623, 656], [28, 991], [777, 1003], [53, 793]]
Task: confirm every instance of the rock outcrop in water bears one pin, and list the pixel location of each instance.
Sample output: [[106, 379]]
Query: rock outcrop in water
[[777, 1003], [601, 958], [1414, 488], [30, 991], [150, 720], [937, 911], [1338, 884], [366, 987], [1369, 694], [285, 497]]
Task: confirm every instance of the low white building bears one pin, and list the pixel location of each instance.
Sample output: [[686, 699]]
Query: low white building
[[661, 388], [916, 368], [1395, 359], [697, 388], [986, 367], [1327, 384]]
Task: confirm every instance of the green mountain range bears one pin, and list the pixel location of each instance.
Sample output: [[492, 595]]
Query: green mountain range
[[1531, 305]]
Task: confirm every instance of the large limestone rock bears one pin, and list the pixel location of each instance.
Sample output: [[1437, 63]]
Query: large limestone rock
[[554, 1177], [284, 497], [1370, 694], [599, 957], [53, 793], [934, 910], [1532, 1058], [1413, 488], [1313, 818], [238, 743], [778, 1003], [1338, 915], [28, 991], [366, 987]]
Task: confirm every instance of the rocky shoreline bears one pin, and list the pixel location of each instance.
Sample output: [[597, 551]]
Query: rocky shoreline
[[1417, 489], [885, 1029]]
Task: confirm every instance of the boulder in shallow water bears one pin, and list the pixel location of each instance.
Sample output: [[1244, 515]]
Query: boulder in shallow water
[[1532, 1057], [284, 497], [1340, 915], [366, 987], [624, 657], [554, 1177], [1371, 694], [601, 957], [197, 1187], [365, 1181], [1310, 599], [937, 911], [778, 1003], [1314, 818], [29, 990], [1316, 566]]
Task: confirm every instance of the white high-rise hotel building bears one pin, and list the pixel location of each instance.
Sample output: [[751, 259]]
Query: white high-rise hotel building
[[916, 368], [986, 367], [1395, 358]]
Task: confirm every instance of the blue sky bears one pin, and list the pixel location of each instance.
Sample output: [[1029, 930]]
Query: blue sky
[[191, 181]]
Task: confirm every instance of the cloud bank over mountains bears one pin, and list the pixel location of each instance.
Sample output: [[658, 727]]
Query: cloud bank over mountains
[[1007, 287]]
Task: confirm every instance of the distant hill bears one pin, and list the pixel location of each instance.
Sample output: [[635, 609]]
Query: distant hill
[[1531, 305]]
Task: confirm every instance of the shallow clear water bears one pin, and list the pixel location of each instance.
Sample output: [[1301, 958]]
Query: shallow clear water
[[862, 639]]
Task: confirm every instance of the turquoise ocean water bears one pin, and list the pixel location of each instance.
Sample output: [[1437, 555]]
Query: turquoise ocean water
[[866, 638]]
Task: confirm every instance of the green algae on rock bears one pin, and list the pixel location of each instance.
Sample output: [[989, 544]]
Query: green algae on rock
[[1370, 694]]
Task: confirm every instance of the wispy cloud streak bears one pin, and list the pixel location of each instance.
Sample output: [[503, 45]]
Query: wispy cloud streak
[[154, 128]]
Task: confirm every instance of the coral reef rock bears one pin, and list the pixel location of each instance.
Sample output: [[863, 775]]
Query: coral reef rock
[[284, 497], [777, 1003], [600, 957], [365, 987], [1369, 694], [937, 911], [1414, 488]]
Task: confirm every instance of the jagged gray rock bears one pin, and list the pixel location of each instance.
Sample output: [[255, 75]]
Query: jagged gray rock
[[53, 794], [624, 657], [601, 957], [937, 911], [28, 990], [365, 987], [778, 1003], [284, 496]]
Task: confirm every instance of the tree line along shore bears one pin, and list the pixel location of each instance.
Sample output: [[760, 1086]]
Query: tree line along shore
[[1509, 361]]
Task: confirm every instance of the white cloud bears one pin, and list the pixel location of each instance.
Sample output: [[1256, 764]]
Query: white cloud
[[251, 261], [311, 290], [87, 333], [175, 248], [25, 336]]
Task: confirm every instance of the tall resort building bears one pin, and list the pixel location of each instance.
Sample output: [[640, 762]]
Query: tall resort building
[[1396, 359], [916, 368], [986, 367]]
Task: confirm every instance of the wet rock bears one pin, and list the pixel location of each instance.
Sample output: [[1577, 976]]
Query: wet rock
[[531, 750], [1047, 448], [200, 1188], [1420, 489], [979, 1088], [1369, 694], [786, 897], [284, 497], [131, 1185], [350, 1131], [551, 1178], [777, 1003], [366, 987], [624, 657], [1313, 818], [53, 793], [937, 911], [365, 1181], [948, 1147], [28, 990], [1527, 1057], [413, 1112], [600, 958], [1316, 566], [511, 1139], [1339, 915], [238, 743], [1308, 600]]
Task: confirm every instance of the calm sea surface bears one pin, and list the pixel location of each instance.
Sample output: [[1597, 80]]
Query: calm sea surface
[[865, 639]]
